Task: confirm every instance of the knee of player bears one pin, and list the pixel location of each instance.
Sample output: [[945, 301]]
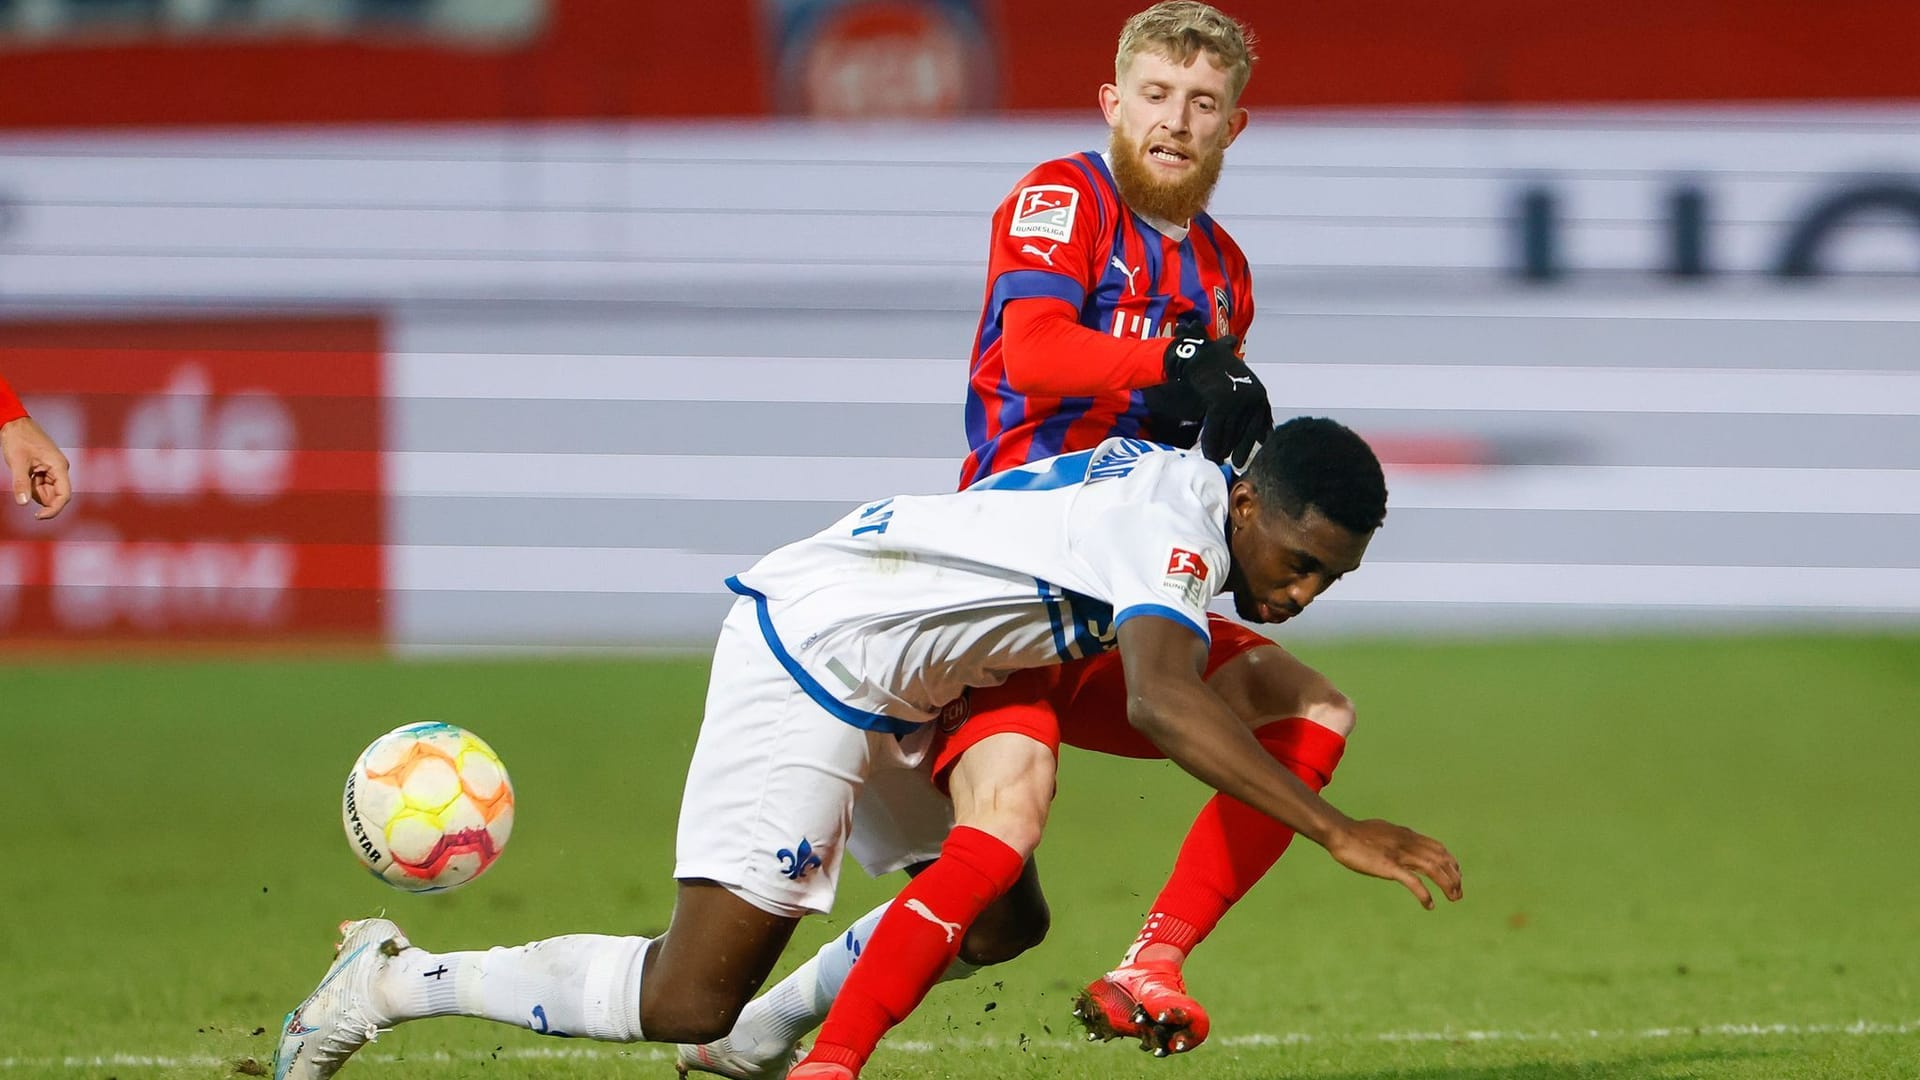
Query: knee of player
[[1334, 711], [1004, 788], [1014, 814], [1017, 826], [999, 936]]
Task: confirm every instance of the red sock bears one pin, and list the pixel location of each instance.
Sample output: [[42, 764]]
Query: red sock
[[1232, 845], [915, 941]]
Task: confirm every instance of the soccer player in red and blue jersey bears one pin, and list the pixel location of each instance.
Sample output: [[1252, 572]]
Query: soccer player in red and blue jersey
[[1114, 306], [1096, 260]]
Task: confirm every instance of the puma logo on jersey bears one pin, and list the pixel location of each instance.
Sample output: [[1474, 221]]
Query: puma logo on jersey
[[1045, 256], [1125, 269], [1240, 380], [920, 909]]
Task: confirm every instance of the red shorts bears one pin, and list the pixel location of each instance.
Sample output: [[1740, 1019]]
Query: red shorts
[[1083, 704]]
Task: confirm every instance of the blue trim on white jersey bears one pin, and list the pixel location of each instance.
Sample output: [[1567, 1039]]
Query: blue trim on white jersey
[[1080, 615], [860, 718], [1052, 600], [1164, 612], [1065, 471], [1086, 614]]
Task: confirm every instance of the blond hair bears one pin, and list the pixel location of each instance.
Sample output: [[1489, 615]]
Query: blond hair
[[1182, 29]]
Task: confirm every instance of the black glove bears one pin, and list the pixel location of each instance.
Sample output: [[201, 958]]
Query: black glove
[[1174, 414], [1237, 416]]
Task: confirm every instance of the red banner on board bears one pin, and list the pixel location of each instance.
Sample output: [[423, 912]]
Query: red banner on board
[[227, 482], [86, 65]]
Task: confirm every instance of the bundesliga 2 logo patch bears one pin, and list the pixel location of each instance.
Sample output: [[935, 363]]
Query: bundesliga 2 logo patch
[[1046, 211], [1187, 575]]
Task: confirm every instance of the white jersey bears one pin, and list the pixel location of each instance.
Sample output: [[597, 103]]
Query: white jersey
[[894, 610]]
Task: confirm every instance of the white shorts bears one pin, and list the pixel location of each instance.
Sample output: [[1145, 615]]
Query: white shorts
[[779, 789]]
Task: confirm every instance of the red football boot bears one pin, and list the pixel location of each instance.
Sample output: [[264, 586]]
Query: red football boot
[[821, 1070], [1148, 1002]]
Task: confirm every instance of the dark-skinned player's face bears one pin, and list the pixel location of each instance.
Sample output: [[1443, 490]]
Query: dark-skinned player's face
[[1280, 563]]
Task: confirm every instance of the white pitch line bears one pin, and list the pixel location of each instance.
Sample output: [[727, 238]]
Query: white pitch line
[[1856, 1028]]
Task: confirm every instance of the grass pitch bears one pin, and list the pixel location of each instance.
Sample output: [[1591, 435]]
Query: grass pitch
[[1684, 857]]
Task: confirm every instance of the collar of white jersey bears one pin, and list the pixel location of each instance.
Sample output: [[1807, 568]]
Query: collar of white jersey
[[1175, 233]]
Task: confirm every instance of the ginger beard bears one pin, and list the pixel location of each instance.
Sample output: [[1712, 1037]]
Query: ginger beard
[[1178, 202]]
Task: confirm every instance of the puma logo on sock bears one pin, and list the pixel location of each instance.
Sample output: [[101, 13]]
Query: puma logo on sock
[[920, 909]]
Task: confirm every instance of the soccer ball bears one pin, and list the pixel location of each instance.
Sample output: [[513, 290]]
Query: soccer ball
[[428, 807]]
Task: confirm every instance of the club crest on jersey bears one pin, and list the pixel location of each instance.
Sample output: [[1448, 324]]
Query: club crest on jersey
[[1046, 211], [953, 714], [796, 862], [1222, 311], [1187, 575]]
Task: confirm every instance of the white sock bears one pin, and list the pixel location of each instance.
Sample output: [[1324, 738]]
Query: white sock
[[772, 1024], [578, 984]]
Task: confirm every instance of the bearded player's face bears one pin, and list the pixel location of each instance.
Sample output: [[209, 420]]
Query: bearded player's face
[[1172, 124]]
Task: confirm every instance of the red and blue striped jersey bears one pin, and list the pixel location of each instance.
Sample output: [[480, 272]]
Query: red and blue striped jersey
[[1065, 233]]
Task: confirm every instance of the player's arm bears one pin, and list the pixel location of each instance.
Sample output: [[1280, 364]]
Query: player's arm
[[1048, 353], [40, 471], [1171, 705], [1048, 255]]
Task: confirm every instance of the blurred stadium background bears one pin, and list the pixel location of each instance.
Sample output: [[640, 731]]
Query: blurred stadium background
[[456, 328], [519, 324]]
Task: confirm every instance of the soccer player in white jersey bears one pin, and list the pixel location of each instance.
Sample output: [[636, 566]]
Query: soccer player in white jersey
[[831, 669]]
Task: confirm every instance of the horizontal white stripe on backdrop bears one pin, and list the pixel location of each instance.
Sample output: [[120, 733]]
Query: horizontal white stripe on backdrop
[[1819, 587], [844, 480], [471, 568], [676, 378], [1307, 386], [849, 480], [661, 570]]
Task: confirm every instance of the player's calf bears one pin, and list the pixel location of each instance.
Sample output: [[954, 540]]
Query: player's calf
[[1011, 925]]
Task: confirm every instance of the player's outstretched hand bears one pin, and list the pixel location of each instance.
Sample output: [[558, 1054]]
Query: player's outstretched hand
[[40, 470], [1231, 434], [1238, 415], [1390, 851]]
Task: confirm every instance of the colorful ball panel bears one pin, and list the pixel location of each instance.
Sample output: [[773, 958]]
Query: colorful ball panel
[[428, 807]]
